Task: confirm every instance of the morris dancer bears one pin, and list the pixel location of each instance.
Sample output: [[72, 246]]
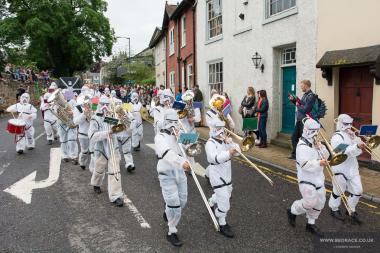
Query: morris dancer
[[137, 132]]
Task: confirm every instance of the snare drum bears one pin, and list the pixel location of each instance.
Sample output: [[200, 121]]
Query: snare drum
[[16, 126]]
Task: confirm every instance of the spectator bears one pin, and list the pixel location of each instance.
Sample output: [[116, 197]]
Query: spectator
[[198, 97], [179, 95], [262, 114], [7, 69], [247, 104], [213, 92], [227, 101], [304, 107]]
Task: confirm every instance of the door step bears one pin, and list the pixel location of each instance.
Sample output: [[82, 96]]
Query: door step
[[283, 140]]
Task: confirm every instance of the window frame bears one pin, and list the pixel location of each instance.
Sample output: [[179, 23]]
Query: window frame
[[171, 42], [183, 31], [216, 81], [190, 75], [268, 4], [214, 20]]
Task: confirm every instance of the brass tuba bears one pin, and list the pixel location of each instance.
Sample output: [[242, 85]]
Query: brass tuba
[[63, 109]]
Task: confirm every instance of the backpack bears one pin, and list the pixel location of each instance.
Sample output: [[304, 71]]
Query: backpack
[[319, 108]]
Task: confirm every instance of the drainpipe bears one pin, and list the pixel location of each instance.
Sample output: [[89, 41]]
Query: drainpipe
[[194, 45], [178, 53]]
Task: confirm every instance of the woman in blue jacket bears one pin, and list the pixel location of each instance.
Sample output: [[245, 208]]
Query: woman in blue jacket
[[262, 113]]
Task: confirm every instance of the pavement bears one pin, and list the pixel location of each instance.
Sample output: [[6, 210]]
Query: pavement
[[275, 156], [65, 215]]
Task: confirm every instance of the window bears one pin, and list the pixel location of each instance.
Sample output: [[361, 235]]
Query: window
[[172, 79], [274, 7], [289, 56], [214, 18], [183, 29], [189, 75], [215, 76], [183, 78], [171, 41]]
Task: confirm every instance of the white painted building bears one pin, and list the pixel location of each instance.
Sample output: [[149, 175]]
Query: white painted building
[[158, 44], [282, 32]]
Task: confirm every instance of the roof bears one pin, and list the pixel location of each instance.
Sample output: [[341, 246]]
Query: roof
[[350, 57], [156, 37], [182, 8], [169, 10]]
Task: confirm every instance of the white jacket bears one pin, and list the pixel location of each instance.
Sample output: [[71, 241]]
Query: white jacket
[[350, 167], [219, 158], [83, 124], [308, 167], [136, 112], [168, 152], [26, 112], [48, 114], [211, 115]]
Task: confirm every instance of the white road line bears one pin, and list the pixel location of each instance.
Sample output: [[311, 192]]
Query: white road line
[[198, 169], [136, 213], [39, 136], [3, 167]]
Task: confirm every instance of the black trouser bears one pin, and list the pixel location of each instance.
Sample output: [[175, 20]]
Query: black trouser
[[297, 133]]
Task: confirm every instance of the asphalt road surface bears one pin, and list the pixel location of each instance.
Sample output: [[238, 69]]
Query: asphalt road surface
[[67, 216]]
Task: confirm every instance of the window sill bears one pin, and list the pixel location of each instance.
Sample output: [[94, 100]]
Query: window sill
[[171, 53], [215, 39], [281, 15], [244, 30], [183, 46]]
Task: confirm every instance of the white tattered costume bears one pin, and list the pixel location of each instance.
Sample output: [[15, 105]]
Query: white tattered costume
[[166, 102], [137, 132], [50, 120], [171, 175], [216, 105], [310, 174], [346, 173], [99, 132], [26, 113], [68, 135], [219, 169]]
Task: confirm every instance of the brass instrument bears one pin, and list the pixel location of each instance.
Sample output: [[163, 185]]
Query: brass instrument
[[371, 143], [193, 149], [330, 171], [85, 102], [64, 111]]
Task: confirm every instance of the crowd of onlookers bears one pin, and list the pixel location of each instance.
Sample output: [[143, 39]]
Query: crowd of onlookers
[[24, 74]]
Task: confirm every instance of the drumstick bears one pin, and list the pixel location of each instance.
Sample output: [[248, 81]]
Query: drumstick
[[13, 115]]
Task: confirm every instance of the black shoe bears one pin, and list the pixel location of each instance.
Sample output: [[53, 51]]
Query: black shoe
[[119, 202], [75, 161], [130, 168], [30, 148], [174, 240], [97, 189], [55, 138], [20, 151], [226, 231], [165, 217], [337, 215], [354, 218], [83, 167], [312, 228], [291, 218], [66, 160], [50, 142]]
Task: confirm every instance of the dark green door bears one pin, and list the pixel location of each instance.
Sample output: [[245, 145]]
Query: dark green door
[[288, 108]]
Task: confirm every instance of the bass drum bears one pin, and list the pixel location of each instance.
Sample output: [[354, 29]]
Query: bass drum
[[16, 126]]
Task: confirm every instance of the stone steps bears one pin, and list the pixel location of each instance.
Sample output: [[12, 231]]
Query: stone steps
[[282, 140]]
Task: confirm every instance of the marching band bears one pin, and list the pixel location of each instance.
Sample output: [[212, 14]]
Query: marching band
[[108, 128]]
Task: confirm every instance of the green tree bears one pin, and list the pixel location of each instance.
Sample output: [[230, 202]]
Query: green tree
[[139, 72], [63, 35]]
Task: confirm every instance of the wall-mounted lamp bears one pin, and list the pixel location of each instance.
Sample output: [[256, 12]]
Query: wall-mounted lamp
[[241, 16], [256, 59], [245, 2]]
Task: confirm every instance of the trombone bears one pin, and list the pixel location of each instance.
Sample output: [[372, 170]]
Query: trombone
[[339, 158], [371, 143], [245, 146], [194, 176]]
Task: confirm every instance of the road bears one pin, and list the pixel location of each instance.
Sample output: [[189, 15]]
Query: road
[[69, 217]]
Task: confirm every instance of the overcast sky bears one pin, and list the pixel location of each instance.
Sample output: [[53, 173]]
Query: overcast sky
[[136, 19]]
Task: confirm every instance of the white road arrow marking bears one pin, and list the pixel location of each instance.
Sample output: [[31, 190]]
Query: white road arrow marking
[[136, 213], [23, 189], [198, 169]]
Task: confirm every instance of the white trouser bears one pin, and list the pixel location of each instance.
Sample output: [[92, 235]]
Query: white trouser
[[25, 140], [84, 153], [69, 145], [137, 135], [51, 129], [126, 146], [174, 191], [221, 198], [114, 184], [91, 166], [353, 186], [311, 204]]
